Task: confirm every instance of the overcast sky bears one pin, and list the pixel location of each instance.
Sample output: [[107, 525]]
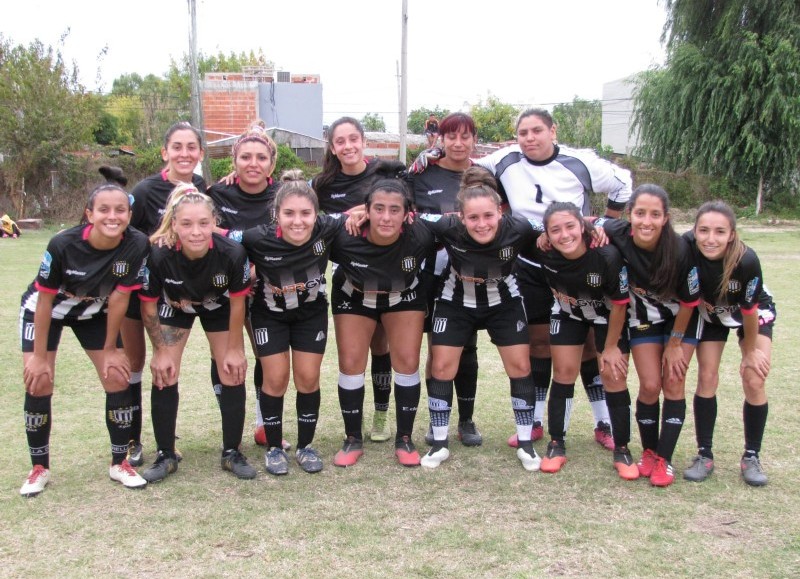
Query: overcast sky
[[525, 52]]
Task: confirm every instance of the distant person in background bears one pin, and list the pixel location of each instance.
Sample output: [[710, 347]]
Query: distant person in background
[[8, 228], [432, 130], [182, 151], [84, 283], [733, 297]]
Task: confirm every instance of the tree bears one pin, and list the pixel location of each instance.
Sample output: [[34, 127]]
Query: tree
[[44, 111], [373, 122], [728, 100], [579, 123], [417, 118], [494, 120]]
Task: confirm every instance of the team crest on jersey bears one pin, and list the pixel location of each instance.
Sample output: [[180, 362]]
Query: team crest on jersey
[[409, 263], [439, 325], [506, 253], [44, 268], [555, 327], [120, 268], [751, 289], [261, 336], [593, 279], [694, 281], [319, 247], [623, 280], [734, 286], [34, 421], [219, 280]]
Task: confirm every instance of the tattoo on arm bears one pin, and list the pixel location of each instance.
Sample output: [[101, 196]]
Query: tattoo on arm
[[153, 327]]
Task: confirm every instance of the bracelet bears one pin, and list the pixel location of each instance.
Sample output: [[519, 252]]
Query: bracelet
[[674, 334]]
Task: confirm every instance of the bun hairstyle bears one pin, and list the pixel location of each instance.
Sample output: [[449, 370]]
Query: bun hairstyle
[[181, 194], [257, 133], [293, 182], [390, 186], [115, 181], [477, 182], [113, 175]]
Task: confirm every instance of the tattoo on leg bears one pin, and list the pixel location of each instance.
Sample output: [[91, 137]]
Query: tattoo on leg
[[172, 335]]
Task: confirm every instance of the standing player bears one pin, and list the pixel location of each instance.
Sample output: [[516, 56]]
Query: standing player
[[182, 151], [733, 297], [376, 282], [663, 322], [344, 182], [195, 273], [84, 283], [532, 174]]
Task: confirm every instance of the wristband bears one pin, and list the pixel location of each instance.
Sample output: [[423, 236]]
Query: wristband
[[674, 334]]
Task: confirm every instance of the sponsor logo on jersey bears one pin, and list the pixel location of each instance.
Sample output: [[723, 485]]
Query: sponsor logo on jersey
[[694, 281], [555, 327], [261, 336], [408, 263], [593, 279], [439, 325], [435, 191], [320, 336], [356, 264], [34, 420], [298, 287], [228, 210], [219, 280], [458, 249], [521, 326], [338, 195], [120, 268], [319, 247], [734, 286], [165, 311], [121, 416], [171, 281], [506, 253], [28, 332], [642, 327], [271, 258], [44, 268], [623, 279], [75, 272], [750, 291]]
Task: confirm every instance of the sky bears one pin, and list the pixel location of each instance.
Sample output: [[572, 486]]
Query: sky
[[524, 52]]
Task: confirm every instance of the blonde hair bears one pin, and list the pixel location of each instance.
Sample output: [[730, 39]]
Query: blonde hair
[[294, 183], [181, 194]]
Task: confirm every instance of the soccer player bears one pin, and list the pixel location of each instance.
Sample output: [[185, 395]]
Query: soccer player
[[84, 283], [193, 273], [733, 297]]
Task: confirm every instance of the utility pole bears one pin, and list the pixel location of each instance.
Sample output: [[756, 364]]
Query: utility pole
[[197, 110], [404, 84]]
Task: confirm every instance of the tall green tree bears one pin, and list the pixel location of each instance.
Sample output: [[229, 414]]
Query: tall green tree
[[579, 123], [417, 118], [373, 122], [44, 111], [727, 102], [494, 119]]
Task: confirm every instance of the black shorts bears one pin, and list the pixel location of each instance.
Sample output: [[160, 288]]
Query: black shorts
[[536, 294], [454, 325], [412, 300], [567, 331], [659, 333], [91, 333], [304, 329], [212, 321], [717, 333], [430, 285], [134, 307]]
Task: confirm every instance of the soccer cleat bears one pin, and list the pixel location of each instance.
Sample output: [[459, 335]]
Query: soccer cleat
[[352, 450], [435, 456], [308, 459], [468, 433], [406, 452], [380, 427], [663, 475], [36, 481], [135, 453], [537, 433], [528, 457], [276, 460], [124, 473], [752, 473], [429, 435], [624, 465], [699, 470], [164, 466], [234, 461], [555, 457], [260, 438], [602, 435], [647, 462]]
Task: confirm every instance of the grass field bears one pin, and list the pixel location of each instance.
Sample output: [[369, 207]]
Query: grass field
[[479, 514]]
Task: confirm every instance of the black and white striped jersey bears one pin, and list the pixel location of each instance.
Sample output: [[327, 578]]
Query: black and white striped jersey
[[239, 210], [287, 276], [199, 285], [480, 275], [82, 277], [646, 306], [746, 290], [377, 275], [585, 288], [347, 191], [149, 197]]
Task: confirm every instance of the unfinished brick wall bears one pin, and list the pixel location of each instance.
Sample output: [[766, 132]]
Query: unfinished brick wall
[[229, 107]]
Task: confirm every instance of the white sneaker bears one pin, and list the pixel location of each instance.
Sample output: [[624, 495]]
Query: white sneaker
[[36, 481], [529, 459], [435, 457], [125, 474]]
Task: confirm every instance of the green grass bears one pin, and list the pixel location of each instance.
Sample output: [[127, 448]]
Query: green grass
[[479, 514]]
